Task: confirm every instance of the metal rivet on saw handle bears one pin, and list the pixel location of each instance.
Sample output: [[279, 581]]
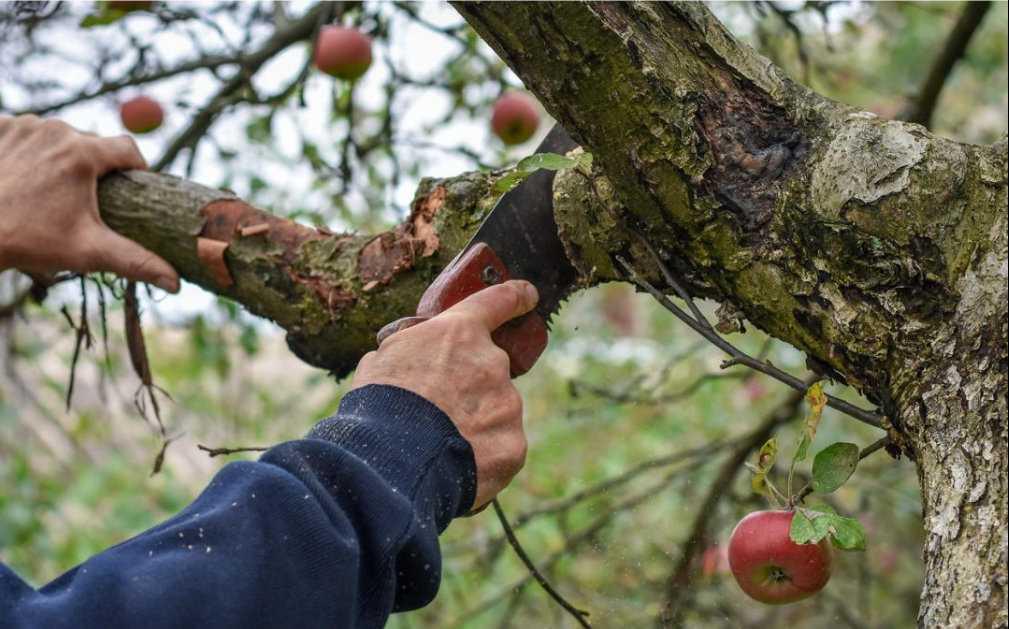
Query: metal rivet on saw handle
[[490, 276]]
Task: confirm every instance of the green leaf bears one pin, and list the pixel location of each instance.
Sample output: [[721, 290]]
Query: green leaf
[[549, 161], [260, 129], [810, 525], [107, 16], [833, 466], [801, 530], [847, 533], [529, 165], [768, 455], [510, 180], [821, 507]]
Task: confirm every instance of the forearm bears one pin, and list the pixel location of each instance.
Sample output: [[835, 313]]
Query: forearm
[[335, 530]]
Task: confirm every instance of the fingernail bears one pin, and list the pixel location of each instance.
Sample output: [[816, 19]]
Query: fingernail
[[167, 283], [532, 295]]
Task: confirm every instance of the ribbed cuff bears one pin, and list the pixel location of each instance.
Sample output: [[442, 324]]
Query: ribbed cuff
[[410, 442]]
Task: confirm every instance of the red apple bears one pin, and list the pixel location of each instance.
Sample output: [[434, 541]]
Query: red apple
[[515, 118], [141, 114], [343, 52], [714, 560], [769, 566]]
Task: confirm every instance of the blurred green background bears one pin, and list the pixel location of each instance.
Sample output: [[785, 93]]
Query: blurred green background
[[630, 419]]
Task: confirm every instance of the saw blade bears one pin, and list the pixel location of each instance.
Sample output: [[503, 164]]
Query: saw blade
[[522, 231]]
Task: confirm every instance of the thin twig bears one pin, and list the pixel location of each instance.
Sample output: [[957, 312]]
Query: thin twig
[[83, 338], [627, 397], [737, 356], [230, 92], [212, 452], [579, 614], [567, 503], [582, 536]]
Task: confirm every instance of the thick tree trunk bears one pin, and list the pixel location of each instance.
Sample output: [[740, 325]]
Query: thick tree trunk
[[952, 403], [875, 247]]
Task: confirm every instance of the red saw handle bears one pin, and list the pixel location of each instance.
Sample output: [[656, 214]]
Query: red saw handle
[[523, 338]]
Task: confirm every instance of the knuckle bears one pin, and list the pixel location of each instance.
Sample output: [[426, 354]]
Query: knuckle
[[511, 295], [56, 127], [28, 121], [460, 327], [366, 360], [436, 328], [130, 145], [486, 371], [518, 450], [516, 404], [500, 363]]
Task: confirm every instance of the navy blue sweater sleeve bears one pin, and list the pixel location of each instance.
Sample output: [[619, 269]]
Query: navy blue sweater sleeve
[[335, 530]]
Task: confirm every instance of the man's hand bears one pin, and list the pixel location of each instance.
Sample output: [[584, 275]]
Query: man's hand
[[451, 361], [49, 207]]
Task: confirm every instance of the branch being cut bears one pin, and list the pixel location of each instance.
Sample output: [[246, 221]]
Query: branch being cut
[[330, 292]]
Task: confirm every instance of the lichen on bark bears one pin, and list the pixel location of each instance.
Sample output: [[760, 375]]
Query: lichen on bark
[[858, 240], [330, 292]]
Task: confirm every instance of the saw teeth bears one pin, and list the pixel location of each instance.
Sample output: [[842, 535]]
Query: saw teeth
[[549, 318]]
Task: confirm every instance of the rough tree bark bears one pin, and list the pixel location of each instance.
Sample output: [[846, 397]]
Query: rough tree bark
[[874, 246]]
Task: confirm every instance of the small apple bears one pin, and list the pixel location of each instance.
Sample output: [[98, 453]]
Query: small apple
[[343, 52], [141, 114], [515, 118], [769, 566], [714, 561]]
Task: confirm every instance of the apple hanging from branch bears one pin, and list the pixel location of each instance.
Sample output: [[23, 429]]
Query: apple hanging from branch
[[784, 555], [141, 114], [343, 52], [515, 118], [769, 566]]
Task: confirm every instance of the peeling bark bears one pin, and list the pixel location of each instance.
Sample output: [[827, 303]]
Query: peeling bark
[[330, 292]]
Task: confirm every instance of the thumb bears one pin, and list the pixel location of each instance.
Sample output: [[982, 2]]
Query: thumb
[[495, 305], [120, 255]]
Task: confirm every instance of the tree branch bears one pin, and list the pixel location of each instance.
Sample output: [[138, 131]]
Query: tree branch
[[578, 614], [956, 46], [228, 93], [758, 193], [330, 292], [209, 62]]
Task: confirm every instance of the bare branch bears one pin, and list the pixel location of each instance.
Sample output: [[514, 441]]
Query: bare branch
[[736, 355], [229, 94], [579, 614], [954, 49]]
